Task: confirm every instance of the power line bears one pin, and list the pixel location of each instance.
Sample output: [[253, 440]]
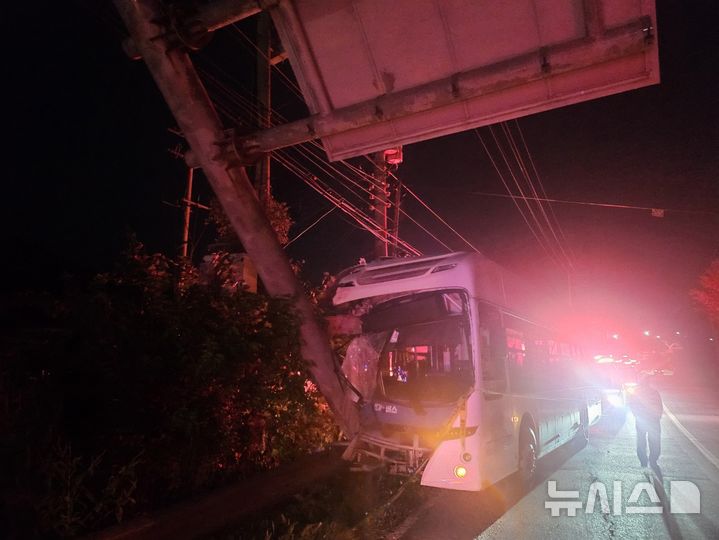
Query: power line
[[541, 187], [332, 170], [523, 197], [247, 105], [449, 249], [293, 166], [356, 214], [288, 82], [523, 169], [303, 149], [252, 110], [436, 215], [514, 199], [604, 205], [323, 216], [308, 152], [369, 177], [432, 211]]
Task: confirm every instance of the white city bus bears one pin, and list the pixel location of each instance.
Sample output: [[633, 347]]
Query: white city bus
[[453, 377]]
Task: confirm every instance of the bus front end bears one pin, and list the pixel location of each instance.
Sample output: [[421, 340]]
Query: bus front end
[[412, 366]]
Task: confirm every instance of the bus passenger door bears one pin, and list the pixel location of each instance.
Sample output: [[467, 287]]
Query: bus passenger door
[[496, 427]]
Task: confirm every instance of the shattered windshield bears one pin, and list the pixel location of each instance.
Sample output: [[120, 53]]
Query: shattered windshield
[[425, 355], [362, 361], [426, 362]]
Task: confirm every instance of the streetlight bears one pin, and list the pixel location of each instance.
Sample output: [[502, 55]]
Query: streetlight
[[647, 333]]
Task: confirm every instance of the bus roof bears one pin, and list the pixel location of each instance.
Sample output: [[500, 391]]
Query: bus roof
[[479, 275]]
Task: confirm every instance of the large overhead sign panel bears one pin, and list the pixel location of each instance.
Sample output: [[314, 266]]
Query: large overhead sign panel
[[378, 73]]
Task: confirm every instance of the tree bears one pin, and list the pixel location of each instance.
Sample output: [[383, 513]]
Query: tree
[[707, 294], [278, 213]]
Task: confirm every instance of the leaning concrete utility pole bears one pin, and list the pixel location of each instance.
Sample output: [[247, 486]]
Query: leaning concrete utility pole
[[174, 74]]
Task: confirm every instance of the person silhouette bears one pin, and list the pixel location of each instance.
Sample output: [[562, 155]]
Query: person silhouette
[[647, 406]]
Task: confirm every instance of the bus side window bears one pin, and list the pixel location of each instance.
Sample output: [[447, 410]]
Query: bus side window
[[520, 362], [493, 352]]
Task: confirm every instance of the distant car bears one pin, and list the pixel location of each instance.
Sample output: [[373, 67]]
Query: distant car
[[659, 371], [614, 379]]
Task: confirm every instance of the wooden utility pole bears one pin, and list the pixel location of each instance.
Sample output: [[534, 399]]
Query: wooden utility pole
[[187, 206], [187, 203], [380, 203], [264, 101]]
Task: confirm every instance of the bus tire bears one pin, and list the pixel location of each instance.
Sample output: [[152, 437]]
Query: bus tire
[[527, 464]]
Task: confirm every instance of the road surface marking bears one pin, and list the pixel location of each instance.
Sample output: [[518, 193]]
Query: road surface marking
[[707, 418], [692, 439]]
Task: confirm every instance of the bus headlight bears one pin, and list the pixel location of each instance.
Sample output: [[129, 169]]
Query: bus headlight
[[460, 471]]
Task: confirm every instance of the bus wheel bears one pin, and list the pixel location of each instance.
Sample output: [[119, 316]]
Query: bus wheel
[[583, 427], [527, 458]]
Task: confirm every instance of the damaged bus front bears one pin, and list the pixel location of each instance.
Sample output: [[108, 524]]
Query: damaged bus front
[[413, 368], [450, 380]]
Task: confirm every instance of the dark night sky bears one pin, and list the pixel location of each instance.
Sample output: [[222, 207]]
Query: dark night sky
[[87, 163]]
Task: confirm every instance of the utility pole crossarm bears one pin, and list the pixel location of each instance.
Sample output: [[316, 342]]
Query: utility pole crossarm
[[187, 98], [193, 27]]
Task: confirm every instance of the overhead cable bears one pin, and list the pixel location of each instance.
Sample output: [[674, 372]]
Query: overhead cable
[[509, 190], [523, 169], [543, 191]]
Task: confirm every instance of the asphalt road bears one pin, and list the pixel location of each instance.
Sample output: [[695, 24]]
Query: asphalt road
[[690, 456]]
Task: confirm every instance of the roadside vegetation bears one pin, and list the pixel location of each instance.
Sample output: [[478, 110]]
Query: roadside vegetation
[[348, 506], [706, 295], [152, 383]]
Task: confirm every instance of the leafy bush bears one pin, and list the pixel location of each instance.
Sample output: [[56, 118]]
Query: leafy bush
[[707, 294], [154, 383]]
